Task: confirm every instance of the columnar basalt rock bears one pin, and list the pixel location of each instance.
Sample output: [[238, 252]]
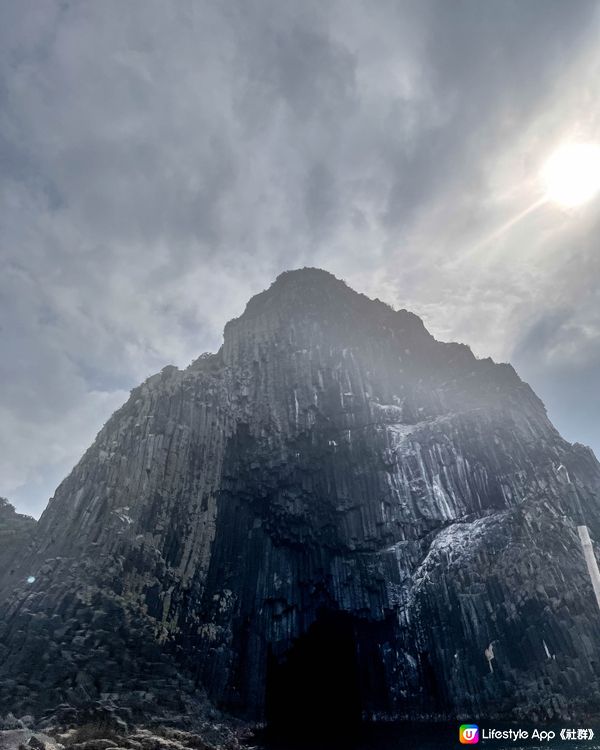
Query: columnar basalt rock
[[333, 468], [16, 532]]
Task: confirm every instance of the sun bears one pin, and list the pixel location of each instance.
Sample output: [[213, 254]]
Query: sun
[[571, 176]]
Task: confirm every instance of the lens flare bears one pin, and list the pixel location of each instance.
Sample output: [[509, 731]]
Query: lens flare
[[571, 176]]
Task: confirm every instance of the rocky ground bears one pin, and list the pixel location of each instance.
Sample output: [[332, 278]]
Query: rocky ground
[[104, 727]]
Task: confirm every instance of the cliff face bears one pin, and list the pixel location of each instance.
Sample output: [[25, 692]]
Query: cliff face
[[334, 510], [16, 533]]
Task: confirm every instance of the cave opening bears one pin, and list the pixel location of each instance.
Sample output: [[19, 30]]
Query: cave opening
[[316, 683]]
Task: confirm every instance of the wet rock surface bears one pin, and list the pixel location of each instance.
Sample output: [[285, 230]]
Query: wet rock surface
[[332, 460]]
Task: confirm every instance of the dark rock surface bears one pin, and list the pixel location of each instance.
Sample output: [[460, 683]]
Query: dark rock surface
[[98, 732], [332, 471], [16, 534]]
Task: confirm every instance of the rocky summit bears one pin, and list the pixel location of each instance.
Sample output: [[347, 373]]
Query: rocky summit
[[335, 514]]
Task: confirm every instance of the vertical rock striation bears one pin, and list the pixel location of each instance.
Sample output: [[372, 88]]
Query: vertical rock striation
[[16, 532], [332, 471]]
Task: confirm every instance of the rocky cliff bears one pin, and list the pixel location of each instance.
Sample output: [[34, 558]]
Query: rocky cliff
[[16, 532], [336, 513]]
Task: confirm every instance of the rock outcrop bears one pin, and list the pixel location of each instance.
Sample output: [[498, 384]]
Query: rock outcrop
[[334, 512], [16, 534]]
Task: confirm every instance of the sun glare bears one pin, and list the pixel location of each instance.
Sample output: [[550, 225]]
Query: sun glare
[[571, 175]]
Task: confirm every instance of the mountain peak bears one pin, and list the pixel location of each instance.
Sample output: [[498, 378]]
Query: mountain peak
[[317, 275], [334, 470], [314, 294], [298, 285]]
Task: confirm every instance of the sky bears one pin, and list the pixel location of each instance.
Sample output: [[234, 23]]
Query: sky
[[162, 162]]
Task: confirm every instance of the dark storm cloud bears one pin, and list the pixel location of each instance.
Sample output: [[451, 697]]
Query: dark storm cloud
[[160, 162]]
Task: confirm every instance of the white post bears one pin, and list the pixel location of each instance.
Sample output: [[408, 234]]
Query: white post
[[590, 558]]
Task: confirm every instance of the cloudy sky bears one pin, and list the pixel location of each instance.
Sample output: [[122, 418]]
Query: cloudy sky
[[160, 162]]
